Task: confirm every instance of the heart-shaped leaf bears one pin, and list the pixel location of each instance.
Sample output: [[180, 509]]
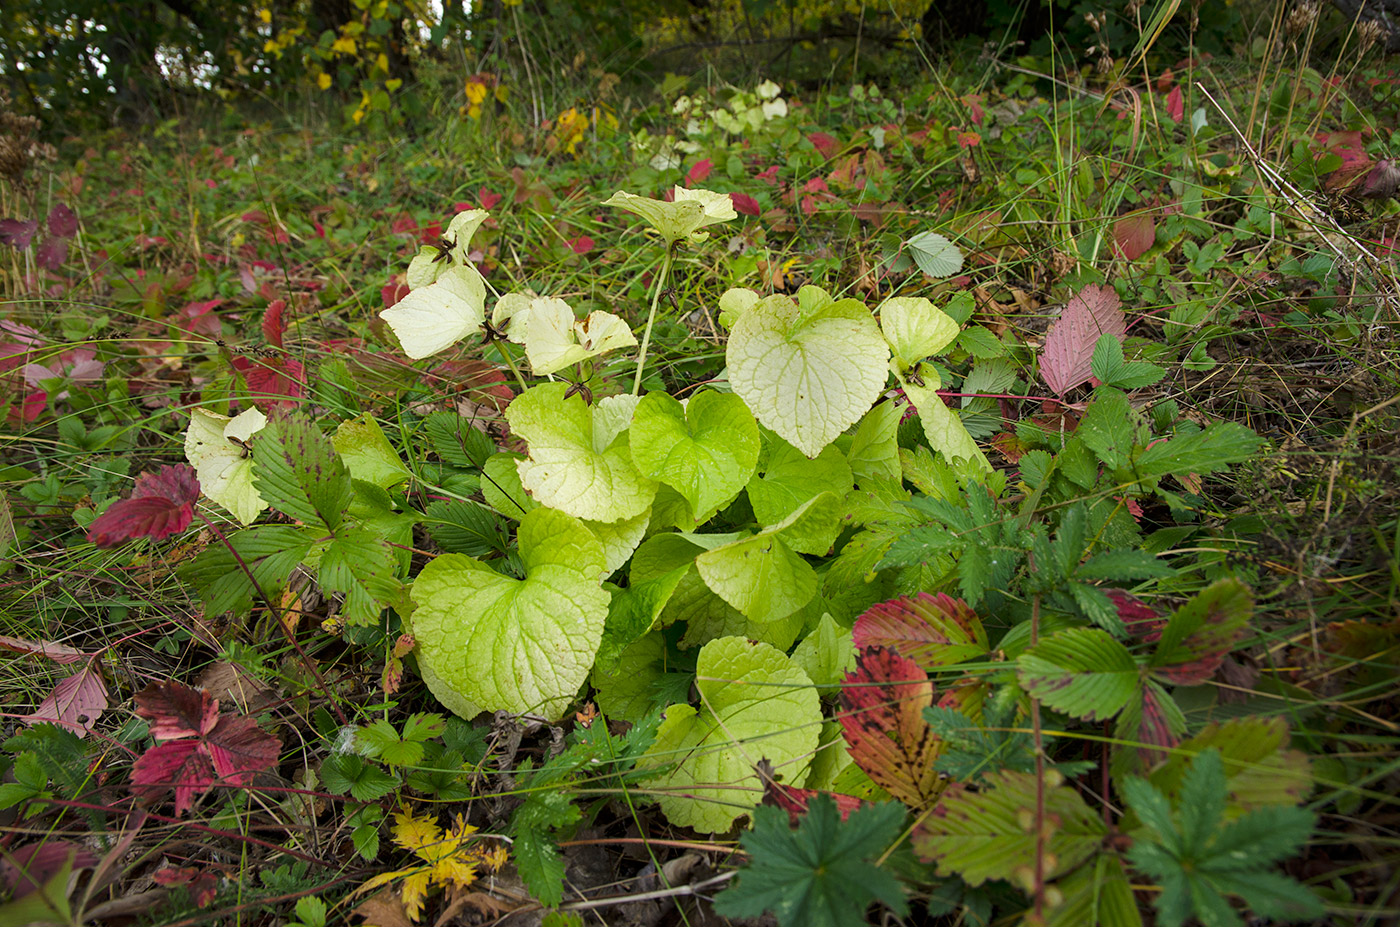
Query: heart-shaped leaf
[[808, 372], [514, 645], [705, 450]]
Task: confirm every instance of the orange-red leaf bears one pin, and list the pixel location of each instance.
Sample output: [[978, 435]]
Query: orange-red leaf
[[882, 705]]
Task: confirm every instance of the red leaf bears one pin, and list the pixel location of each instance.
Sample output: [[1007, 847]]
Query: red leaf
[[1141, 619], [882, 704], [969, 139], [202, 885], [391, 293], [1176, 106], [768, 175], [1069, 344], [29, 408], [58, 653], [162, 505], [52, 253], [698, 172], [1381, 182], [62, 222], [1133, 234], [744, 204], [825, 144], [488, 199], [202, 746], [275, 382], [1197, 637], [76, 702], [273, 325], [198, 318], [24, 870], [581, 245], [929, 630], [17, 233], [794, 800]]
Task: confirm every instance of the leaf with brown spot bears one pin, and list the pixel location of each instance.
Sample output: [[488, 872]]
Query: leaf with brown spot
[[882, 718], [930, 630], [1200, 633], [76, 702]]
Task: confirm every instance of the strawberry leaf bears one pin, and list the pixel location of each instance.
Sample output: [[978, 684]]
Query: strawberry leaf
[[1199, 635], [201, 746], [882, 705], [62, 222], [162, 505], [17, 233], [930, 630], [1082, 672]]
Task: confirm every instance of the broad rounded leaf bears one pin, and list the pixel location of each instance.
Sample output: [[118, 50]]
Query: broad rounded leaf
[[762, 576], [935, 255], [915, 328], [689, 211], [754, 705], [214, 446], [569, 468], [807, 374], [625, 689], [505, 644], [705, 450], [433, 318], [787, 480]]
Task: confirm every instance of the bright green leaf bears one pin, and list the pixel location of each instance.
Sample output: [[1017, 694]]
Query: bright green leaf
[[705, 450]]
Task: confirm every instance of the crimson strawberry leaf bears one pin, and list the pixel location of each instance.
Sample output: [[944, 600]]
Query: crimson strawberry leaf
[[200, 746], [1133, 234], [882, 705], [930, 630], [820, 874], [52, 253], [162, 505], [274, 381], [1069, 344], [273, 324]]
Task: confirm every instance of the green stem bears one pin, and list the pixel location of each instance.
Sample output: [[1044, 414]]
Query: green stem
[[651, 319], [510, 362]]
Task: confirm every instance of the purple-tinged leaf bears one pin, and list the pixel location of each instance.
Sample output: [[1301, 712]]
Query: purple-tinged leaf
[[1069, 344], [17, 233], [930, 630], [75, 703], [1082, 672], [162, 505], [63, 223], [1199, 635], [52, 253]]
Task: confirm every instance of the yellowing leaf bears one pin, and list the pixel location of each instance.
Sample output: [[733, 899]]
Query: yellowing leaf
[[435, 317], [554, 338], [323, 80], [214, 446], [683, 217], [344, 45]]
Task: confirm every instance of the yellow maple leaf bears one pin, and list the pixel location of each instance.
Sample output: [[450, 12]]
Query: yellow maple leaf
[[414, 833]]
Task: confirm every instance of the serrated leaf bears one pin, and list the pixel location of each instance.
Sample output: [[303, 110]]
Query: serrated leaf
[[501, 486], [990, 833], [349, 773], [1260, 768], [930, 630], [1150, 725], [1096, 895], [1213, 448], [161, 505], [807, 374], [762, 576], [270, 552], [787, 479], [706, 451], [1108, 365], [934, 254], [462, 527], [874, 451], [1200, 633], [298, 472], [943, 429], [826, 654], [514, 645], [754, 704], [1082, 672], [882, 705], [819, 875], [575, 463], [457, 442], [359, 564], [1107, 427]]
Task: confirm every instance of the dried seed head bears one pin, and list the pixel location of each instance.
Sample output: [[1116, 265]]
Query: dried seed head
[[1368, 34], [1302, 17]]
